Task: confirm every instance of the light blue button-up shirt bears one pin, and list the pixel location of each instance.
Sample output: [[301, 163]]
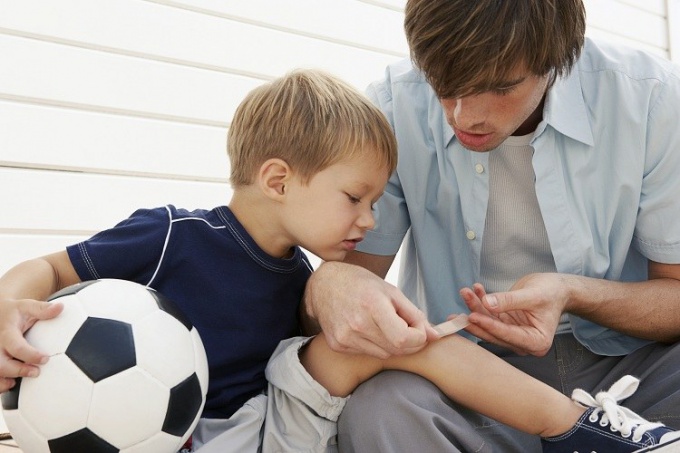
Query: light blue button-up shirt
[[607, 166]]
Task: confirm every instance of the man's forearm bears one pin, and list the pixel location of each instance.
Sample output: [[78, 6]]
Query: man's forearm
[[648, 309]]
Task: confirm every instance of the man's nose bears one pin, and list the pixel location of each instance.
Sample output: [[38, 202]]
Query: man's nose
[[468, 112]]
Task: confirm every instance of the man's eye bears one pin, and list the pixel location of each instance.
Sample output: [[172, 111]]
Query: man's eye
[[502, 91]]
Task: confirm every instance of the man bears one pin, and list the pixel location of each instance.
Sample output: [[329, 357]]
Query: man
[[536, 166]]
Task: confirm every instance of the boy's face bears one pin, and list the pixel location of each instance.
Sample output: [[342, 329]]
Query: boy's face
[[483, 121], [330, 215]]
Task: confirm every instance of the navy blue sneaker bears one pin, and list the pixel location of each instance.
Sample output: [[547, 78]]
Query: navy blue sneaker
[[607, 427]]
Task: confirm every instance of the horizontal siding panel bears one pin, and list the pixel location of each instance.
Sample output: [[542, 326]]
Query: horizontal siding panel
[[52, 137], [366, 24], [73, 203], [73, 76], [16, 248], [397, 5], [171, 34], [628, 22], [653, 6]]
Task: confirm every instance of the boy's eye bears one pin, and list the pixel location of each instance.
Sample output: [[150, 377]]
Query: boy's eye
[[353, 199]]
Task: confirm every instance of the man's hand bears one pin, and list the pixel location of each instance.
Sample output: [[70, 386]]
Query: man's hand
[[17, 357], [361, 313], [523, 319]]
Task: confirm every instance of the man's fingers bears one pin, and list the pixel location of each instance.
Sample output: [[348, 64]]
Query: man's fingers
[[513, 337], [406, 329], [473, 302], [508, 301], [358, 346], [487, 337]]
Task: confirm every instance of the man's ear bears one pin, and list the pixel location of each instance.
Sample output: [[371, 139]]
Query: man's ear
[[273, 176]]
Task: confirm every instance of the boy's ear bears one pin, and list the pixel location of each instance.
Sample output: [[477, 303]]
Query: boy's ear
[[273, 176]]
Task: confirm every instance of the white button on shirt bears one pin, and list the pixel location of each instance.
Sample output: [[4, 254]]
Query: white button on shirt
[[616, 109]]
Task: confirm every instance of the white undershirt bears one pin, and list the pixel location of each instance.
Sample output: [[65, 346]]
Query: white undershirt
[[515, 241]]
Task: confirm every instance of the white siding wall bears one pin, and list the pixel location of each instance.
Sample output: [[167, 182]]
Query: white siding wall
[[110, 105]]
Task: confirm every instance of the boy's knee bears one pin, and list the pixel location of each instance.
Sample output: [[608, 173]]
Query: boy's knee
[[389, 392]]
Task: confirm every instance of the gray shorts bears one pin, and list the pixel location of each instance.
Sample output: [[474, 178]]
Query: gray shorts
[[295, 415]]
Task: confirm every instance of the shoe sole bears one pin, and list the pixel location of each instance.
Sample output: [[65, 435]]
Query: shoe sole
[[669, 447]]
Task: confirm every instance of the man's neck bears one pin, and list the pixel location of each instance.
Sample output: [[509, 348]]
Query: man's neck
[[531, 123]]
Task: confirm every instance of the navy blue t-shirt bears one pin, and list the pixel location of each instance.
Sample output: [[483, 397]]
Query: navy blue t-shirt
[[241, 300]]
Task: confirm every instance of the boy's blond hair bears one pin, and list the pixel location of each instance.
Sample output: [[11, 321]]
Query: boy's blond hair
[[311, 120]]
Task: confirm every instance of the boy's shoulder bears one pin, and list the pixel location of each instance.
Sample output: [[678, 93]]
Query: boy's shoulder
[[172, 213]]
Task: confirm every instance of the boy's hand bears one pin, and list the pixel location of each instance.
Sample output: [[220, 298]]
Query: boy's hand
[[17, 357], [361, 313]]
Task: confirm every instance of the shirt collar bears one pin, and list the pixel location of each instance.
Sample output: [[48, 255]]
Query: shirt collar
[[565, 109]]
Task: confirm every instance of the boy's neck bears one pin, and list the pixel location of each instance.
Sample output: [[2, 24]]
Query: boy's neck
[[259, 216]]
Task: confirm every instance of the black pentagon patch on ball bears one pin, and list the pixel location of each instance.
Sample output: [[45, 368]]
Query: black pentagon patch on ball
[[71, 290], [10, 399], [83, 440], [102, 348], [169, 307], [185, 402]]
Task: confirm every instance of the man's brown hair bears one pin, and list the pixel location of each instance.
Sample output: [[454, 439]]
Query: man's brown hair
[[311, 120], [470, 46]]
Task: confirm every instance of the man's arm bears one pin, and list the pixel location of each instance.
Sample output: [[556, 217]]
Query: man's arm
[[377, 264], [525, 318], [647, 309], [361, 313]]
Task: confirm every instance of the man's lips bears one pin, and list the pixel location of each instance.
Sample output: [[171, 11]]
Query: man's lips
[[472, 140]]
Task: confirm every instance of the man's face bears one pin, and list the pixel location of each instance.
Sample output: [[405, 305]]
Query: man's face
[[483, 121]]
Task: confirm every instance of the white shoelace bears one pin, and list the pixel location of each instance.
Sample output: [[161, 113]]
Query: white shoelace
[[620, 418]]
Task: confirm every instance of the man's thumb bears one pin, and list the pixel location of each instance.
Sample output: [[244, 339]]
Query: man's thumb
[[497, 302]]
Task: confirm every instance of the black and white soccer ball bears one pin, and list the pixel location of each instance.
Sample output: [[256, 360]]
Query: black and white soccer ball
[[127, 373]]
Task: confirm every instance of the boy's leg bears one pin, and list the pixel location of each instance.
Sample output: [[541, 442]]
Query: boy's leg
[[301, 414], [439, 425]]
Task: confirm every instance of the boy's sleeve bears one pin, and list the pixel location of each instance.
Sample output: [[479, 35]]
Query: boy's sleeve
[[131, 250]]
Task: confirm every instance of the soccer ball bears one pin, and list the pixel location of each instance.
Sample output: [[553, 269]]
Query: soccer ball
[[127, 373]]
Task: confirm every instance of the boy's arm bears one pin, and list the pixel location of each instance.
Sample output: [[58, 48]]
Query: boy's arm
[[22, 292]]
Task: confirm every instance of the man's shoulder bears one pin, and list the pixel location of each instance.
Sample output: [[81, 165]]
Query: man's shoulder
[[603, 56], [402, 85], [401, 74]]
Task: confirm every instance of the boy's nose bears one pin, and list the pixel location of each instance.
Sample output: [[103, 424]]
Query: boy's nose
[[366, 221]]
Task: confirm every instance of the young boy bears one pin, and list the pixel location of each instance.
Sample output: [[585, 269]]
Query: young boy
[[309, 157]]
